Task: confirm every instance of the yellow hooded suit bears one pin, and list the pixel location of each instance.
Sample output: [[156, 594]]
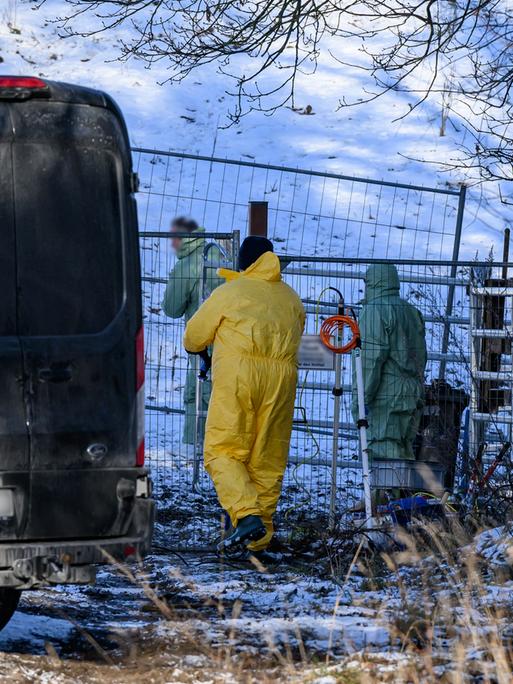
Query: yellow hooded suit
[[255, 322]]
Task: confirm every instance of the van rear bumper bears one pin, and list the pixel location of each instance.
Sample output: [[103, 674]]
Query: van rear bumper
[[32, 564]]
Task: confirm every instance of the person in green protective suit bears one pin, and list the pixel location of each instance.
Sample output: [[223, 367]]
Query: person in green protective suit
[[394, 360], [183, 296]]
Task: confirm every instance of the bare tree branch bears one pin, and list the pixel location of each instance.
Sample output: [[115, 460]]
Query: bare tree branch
[[459, 50]]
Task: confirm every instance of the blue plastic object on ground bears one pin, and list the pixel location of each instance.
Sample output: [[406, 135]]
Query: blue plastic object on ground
[[402, 511]]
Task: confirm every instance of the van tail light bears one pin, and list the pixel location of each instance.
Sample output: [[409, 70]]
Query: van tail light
[[139, 387], [139, 359], [139, 454], [22, 87], [21, 82]]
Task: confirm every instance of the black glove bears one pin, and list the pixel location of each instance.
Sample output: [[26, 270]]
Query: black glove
[[205, 364]]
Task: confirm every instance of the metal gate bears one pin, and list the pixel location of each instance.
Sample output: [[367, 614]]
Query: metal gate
[[310, 213]]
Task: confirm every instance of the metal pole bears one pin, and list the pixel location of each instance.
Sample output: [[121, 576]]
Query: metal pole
[[198, 442], [257, 218], [362, 428], [505, 254], [337, 393], [198, 425], [475, 322], [454, 270], [235, 248]]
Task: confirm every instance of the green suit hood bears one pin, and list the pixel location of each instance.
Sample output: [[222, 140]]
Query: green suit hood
[[381, 280], [183, 290], [191, 244]]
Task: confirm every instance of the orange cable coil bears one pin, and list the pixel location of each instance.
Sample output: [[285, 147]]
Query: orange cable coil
[[335, 324]]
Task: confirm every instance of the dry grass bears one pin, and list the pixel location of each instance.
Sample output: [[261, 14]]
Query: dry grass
[[442, 611], [448, 614]]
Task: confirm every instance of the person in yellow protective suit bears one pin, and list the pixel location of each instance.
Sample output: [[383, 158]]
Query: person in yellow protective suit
[[255, 323]]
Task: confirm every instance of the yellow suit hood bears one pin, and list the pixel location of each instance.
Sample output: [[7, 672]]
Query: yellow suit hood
[[253, 314], [266, 267]]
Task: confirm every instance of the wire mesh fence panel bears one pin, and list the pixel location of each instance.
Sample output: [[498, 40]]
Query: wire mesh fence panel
[[354, 222], [441, 440], [425, 286], [309, 212]]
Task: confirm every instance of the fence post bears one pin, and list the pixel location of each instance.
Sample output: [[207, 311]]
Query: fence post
[[452, 287], [257, 219], [235, 249]]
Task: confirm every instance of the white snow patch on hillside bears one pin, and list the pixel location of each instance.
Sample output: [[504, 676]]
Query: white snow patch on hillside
[[362, 141]]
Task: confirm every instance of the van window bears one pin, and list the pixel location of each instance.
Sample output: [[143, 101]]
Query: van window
[[68, 238]]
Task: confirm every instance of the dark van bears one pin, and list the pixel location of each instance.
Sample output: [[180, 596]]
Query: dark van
[[73, 487]]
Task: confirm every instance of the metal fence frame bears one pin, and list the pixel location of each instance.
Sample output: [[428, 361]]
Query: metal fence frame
[[343, 268]]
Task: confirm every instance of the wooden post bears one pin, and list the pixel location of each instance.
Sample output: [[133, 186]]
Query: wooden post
[[257, 218], [505, 254]]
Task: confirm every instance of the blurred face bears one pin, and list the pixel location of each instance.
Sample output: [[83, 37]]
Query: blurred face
[[176, 241]]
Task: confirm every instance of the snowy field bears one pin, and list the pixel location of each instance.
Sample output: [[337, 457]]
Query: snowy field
[[215, 622]]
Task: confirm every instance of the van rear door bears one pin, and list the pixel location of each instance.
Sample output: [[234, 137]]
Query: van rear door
[[14, 446], [78, 314]]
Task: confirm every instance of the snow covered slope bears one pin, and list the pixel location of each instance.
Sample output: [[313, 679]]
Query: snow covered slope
[[362, 141]]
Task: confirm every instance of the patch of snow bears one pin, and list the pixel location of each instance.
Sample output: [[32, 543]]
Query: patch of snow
[[496, 546], [191, 116], [36, 630]]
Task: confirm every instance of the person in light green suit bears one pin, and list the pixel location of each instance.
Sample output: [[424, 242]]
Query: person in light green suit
[[394, 359], [183, 296]]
